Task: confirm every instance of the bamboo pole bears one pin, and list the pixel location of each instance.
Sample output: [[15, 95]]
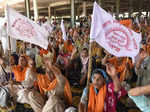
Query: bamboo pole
[[10, 80], [36, 13], [72, 12], [9, 53], [84, 8], [89, 64], [49, 12], [8, 37], [27, 8], [117, 8], [9, 50], [89, 73]]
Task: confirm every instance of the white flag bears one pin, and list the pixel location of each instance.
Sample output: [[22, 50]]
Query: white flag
[[63, 30], [22, 28], [48, 27], [112, 36]]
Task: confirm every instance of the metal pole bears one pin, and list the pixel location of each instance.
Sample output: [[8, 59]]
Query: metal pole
[[130, 8], [9, 50], [49, 12], [89, 74], [35, 7], [117, 8], [27, 8], [72, 12], [84, 8], [101, 3]]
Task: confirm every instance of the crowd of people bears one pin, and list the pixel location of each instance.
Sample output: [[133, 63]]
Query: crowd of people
[[43, 78]]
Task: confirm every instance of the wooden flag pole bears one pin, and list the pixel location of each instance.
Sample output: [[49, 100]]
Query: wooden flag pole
[[10, 80], [89, 72], [89, 65], [8, 37], [9, 49]]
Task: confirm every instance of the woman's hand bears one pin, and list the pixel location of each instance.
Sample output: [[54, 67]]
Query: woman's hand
[[111, 70], [143, 55]]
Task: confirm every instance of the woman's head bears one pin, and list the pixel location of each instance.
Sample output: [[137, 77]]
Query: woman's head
[[23, 61], [84, 53], [143, 52], [14, 59], [98, 78], [50, 74], [31, 63]]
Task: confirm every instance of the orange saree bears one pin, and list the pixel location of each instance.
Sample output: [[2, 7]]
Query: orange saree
[[19, 74], [96, 101], [120, 68], [46, 85]]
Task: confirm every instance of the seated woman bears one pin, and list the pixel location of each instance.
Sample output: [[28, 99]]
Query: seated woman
[[103, 96], [62, 60], [20, 69], [54, 87], [78, 67], [28, 83], [25, 76], [13, 61]]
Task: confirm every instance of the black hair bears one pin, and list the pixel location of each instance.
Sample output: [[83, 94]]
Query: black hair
[[85, 49], [16, 58], [102, 73], [97, 71], [141, 50], [41, 70]]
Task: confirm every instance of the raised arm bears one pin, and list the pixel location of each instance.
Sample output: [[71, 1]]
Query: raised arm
[[113, 74], [138, 91], [104, 60], [142, 55], [73, 53], [56, 71]]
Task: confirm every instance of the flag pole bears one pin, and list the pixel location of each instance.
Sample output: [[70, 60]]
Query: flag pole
[[89, 64], [8, 37], [9, 48], [89, 73]]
